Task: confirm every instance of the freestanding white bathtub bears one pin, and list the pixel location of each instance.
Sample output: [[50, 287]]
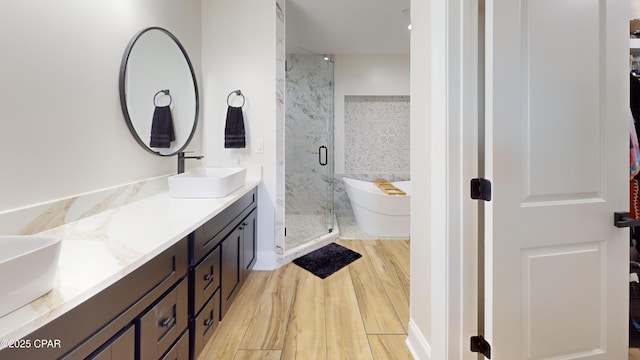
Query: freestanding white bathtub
[[376, 212]]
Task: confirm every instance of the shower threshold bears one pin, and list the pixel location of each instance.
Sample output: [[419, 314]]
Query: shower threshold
[[300, 232]]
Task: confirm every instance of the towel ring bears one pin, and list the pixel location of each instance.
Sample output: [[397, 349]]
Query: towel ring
[[166, 92], [238, 93]]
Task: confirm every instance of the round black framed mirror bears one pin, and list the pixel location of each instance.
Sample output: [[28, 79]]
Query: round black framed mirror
[[159, 92]]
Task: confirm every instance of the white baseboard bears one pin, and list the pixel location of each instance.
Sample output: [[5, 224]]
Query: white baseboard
[[417, 344], [266, 261]]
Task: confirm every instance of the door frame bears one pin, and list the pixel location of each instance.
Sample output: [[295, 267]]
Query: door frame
[[449, 30], [455, 310]]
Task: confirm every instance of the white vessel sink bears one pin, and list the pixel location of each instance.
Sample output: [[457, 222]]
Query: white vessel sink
[[207, 182], [28, 266]]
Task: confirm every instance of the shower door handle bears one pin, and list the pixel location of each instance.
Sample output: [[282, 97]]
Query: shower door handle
[[320, 151]]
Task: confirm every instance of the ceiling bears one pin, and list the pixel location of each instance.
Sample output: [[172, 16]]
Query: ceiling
[[349, 26]]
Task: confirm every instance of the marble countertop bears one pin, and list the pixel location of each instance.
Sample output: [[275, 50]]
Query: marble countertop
[[100, 250]]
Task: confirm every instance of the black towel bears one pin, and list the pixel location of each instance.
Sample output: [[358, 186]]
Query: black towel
[[234, 128], [162, 133]]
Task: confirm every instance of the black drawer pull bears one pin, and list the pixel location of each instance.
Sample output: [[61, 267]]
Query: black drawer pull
[[167, 322], [208, 277]]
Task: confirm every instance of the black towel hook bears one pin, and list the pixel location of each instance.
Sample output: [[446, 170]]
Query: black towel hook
[[166, 92], [238, 93]]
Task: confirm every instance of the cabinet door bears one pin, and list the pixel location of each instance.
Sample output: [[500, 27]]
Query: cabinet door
[[230, 271], [180, 350], [121, 347], [248, 243]]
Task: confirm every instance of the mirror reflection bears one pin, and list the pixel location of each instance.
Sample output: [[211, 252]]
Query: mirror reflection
[[158, 92]]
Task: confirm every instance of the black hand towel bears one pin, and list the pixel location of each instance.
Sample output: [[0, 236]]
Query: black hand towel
[[162, 133], [234, 128]]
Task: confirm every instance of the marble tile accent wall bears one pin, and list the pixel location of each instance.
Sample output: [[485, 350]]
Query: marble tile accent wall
[[309, 111], [48, 215], [376, 134]]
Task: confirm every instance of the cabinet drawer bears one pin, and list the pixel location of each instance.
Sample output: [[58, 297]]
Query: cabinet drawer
[[180, 350], [163, 323], [205, 324], [206, 279]]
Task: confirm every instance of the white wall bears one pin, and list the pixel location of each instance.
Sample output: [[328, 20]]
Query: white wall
[[239, 52], [420, 332], [63, 132], [362, 75], [634, 9]]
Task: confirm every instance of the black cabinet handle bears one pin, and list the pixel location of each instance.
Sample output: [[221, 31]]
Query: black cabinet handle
[[207, 322], [167, 322], [208, 277]]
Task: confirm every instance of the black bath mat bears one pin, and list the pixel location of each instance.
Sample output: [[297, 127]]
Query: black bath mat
[[327, 260]]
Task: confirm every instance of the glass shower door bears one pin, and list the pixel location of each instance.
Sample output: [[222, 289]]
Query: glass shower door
[[308, 146]]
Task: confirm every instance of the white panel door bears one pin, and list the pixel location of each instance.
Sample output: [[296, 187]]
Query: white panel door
[[557, 154]]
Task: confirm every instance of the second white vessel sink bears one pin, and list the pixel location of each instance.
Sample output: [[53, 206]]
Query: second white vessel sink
[[207, 182], [28, 266]]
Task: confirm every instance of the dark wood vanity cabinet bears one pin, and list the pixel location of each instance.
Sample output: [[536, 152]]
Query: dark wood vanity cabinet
[[109, 324], [169, 307], [223, 252]]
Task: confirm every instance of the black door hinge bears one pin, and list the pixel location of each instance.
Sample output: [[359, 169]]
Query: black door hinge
[[480, 345], [481, 189]]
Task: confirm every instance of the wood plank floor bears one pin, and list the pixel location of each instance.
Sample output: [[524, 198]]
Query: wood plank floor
[[360, 312], [634, 354]]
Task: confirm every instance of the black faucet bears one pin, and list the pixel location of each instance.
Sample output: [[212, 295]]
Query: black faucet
[[181, 158]]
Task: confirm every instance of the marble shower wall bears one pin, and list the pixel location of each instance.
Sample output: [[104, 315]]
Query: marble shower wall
[[280, 132], [377, 142], [309, 110]]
